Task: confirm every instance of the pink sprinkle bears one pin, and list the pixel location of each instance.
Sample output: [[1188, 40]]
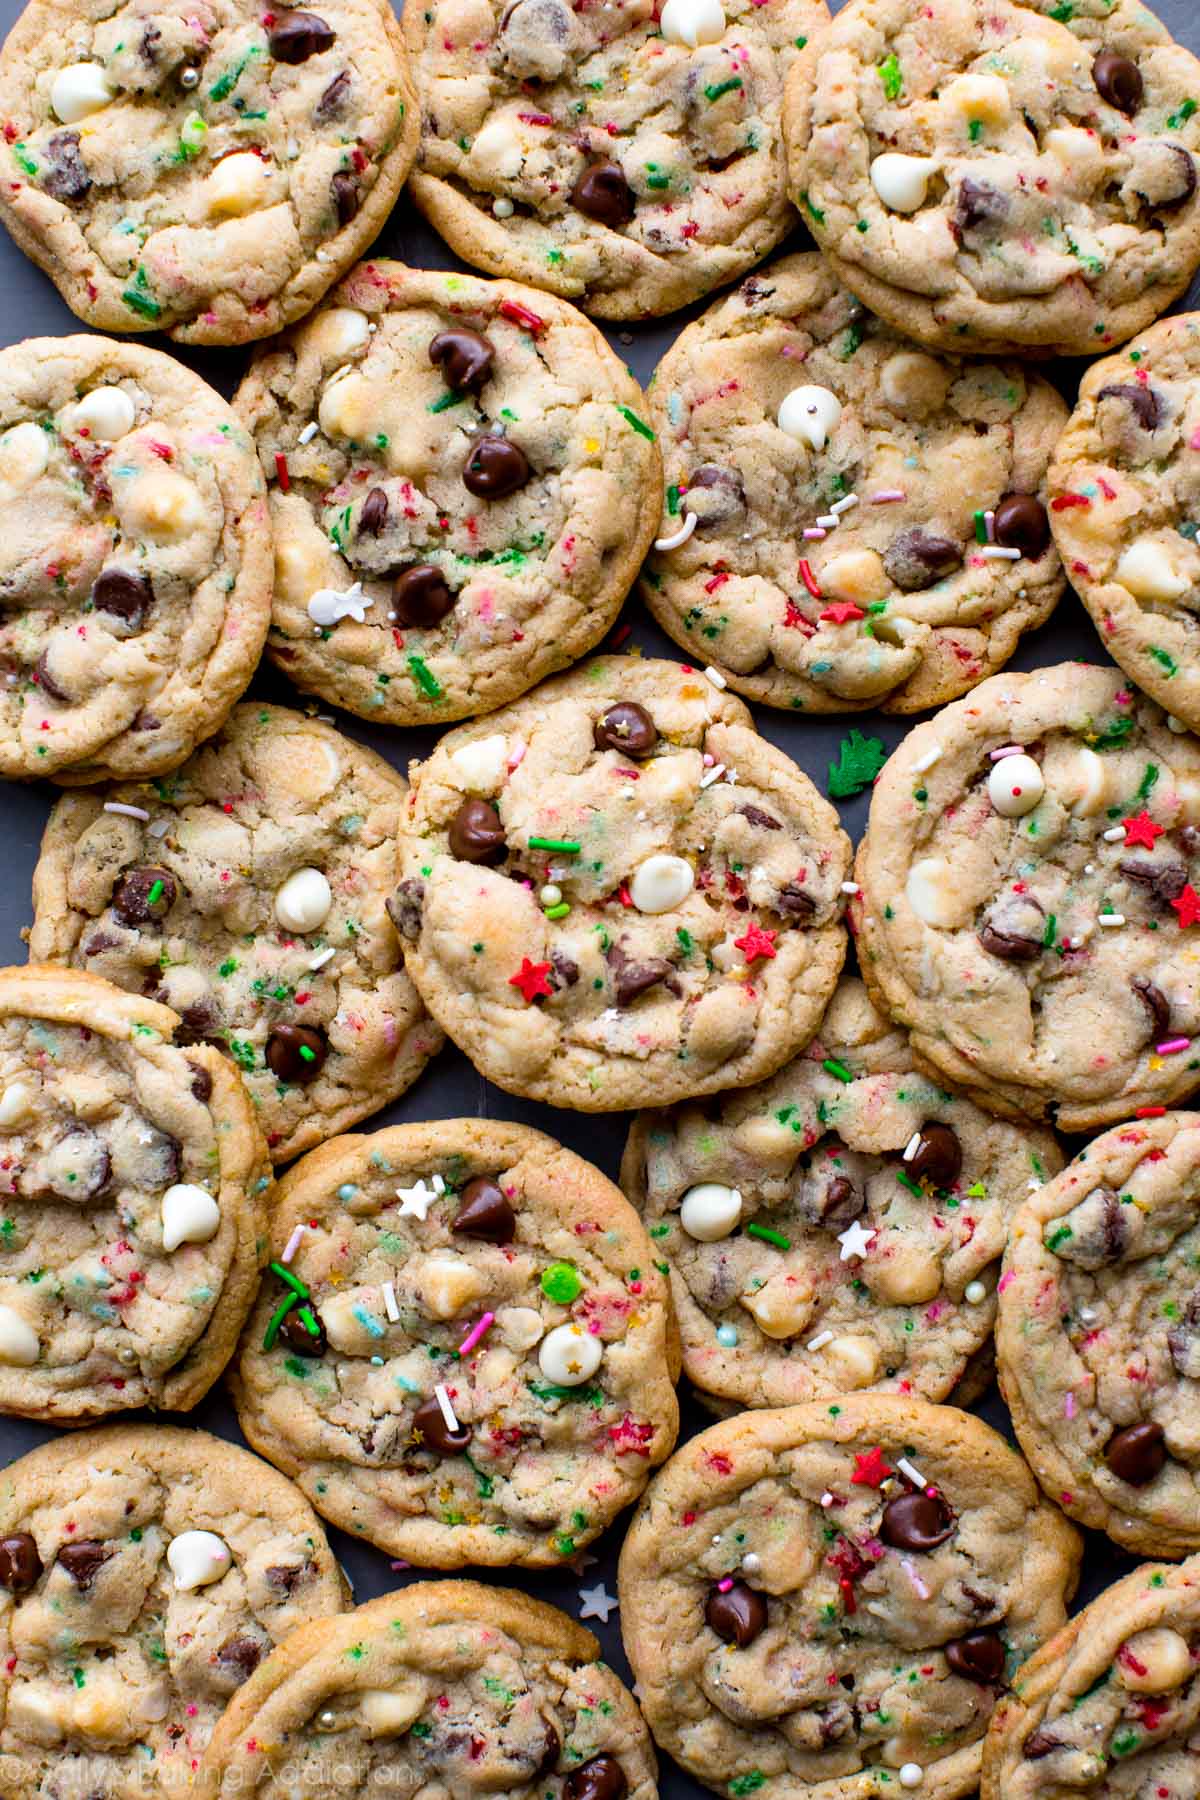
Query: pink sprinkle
[[1008, 750], [517, 754], [1195, 440], [293, 1244], [1069, 1406], [1172, 1046], [708, 759], [813, 532], [473, 1336], [723, 1587], [1003, 1282], [398, 1565], [884, 496]]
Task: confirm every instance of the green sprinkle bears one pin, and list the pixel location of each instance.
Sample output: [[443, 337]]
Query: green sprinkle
[[815, 211], [685, 939], [837, 1069], [891, 77], [562, 1283], [722, 87], [1165, 658], [307, 1055], [1149, 777], [289, 1280], [631, 418], [425, 678], [139, 302], [981, 536], [278, 1316], [192, 134], [155, 894], [747, 1784], [975, 130], [768, 1236], [800, 42], [445, 403], [558, 912], [1176, 119], [563, 846], [906, 1180], [1048, 934], [227, 968]]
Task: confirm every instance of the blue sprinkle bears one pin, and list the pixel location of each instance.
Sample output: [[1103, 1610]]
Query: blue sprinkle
[[727, 1335], [347, 1191], [410, 1387], [367, 1322]]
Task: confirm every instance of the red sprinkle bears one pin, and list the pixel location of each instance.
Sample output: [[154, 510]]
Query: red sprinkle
[[809, 579], [521, 315], [1150, 1112], [281, 469], [1065, 501]]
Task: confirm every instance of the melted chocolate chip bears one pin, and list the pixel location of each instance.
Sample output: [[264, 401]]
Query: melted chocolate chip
[[825, 1197], [603, 193], [343, 191], [199, 1023], [45, 680], [436, 1435], [1118, 81], [795, 902], [421, 597], [551, 1750], [123, 595], [757, 816], [201, 1082], [979, 1657], [916, 559], [600, 1778], [285, 1578], [1021, 524], [405, 906], [464, 356], [333, 97], [566, 970], [239, 1657], [1156, 1004], [916, 1522], [1183, 1340], [723, 495], [936, 1156], [144, 896], [1165, 880], [978, 203], [485, 1212], [1039, 1744], [495, 468], [1143, 402], [626, 727], [737, 1615], [1012, 928], [83, 1561], [65, 175], [1137, 1454], [296, 1053], [374, 514], [295, 36], [633, 975], [20, 1564], [476, 834], [298, 1338], [1185, 178], [1007, 945]]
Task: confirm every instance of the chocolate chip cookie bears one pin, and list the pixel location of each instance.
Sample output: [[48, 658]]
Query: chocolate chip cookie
[[1126, 509], [445, 1684], [136, 562], [464, 1351], [627, 156], [207, 169], [850, 521], [615, 893], [248, 892], [1098, 1343], [1030, 895], [829, 1599], [462, 489], [835, 1227], [145, 1573], [132, 1202], [1109, 1704], [997, 174]]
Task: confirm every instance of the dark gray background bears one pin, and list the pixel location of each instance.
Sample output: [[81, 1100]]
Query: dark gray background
[[30, 306]]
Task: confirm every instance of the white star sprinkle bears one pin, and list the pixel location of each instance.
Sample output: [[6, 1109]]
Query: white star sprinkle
[[415, 1202], [856, 1240], [597, 1603]]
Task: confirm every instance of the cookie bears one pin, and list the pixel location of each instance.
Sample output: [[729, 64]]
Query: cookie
[[137, 574], [203, 170], [1098, 1341], [145, 1573], [133, 1212], [615, 893], [445, 1684], [627, 156], [836, 1227], [1110, 1700], [828, 1599], [1030, 900], [466, 1351], [991, 175], [248, 891], [426, 574], [850, 521], [1126, 509]]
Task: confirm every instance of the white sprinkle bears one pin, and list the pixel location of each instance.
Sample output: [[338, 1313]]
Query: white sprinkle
[[389, 1302], [159, 828], [828, 521], [911, 1148], [851, 887], [974, 1293], [448, 1413], [716, 677], [309, 432], [998, 553], [678, 537], [813, 534], [1110, 921], [710, 775], [911, 1472], [293, 1243], [130, 812], [910, 1569], [927, 761], [321, 958], [827, 1499], [1114, 834], [1033, 1185], [885, 496], [439, 1186], [1088, 1315], [1006, 750], [819, 1342], [844, 504]]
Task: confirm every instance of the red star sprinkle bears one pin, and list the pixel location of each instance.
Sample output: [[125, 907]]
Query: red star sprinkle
[[1142, 830], [1188, 906], [870, 1470], [756, 943], [531, 979], [842, 611]]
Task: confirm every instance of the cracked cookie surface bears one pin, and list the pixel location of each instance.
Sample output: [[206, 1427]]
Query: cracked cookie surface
[[136, 565], [987, 174], [1126, 509], [205, 169], [145, 1573], [424, 1241], [818, 1600], [472, 1689], [1098, 1342], [461, 476], [752, 1200], [615, 892], [1031, 917], [847, 559], [133, 1209], [274, 853], [624, 155]]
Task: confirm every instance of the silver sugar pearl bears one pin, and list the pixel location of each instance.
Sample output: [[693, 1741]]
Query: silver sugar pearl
[[327, 1720], [127, 1355], [189, 78]]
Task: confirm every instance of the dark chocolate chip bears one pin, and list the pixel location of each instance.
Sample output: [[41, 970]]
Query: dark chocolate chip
[[603, 193], [333, 97], [495, 468], [1137, 1454], [45, 680], [1166, 881], [239, 1657], [84, 1560], [464, 356], [827, 1197], [374, 514], [201, 1082], [1007, 945], [1012, 928], [795, 902], [1039, 1744], [485, 1212], [99, 942], [132, 900], [296, 1053], [298, 1338], [1021, 524], [20, 1564], [1185, 169], [551, 1750], [405, 906], [344, 193], [600, 1778], [123, 595], [476, 834], [737, 1615], [1183, 1340], [916, 559], [634, 975], [916, 1522], [566, 970], [65, 175], [421, 597], [436, 1435], [626, 727], [1143, 402], [979, 1657], [936, 1156], [1118, 81], [199, 1023], [764, 820], [1156, 1004], [285, 1578], [295, 36]]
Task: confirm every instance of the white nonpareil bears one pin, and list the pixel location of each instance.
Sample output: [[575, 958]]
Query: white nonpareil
[[692, 22], [569, 1355], [196, 1558], [902, 181], [18, 1339], [660, 883], [810, 414], [79, 90], [1015, 786], [304, 900], [329, 607], [710, 1211], [190, 1215]]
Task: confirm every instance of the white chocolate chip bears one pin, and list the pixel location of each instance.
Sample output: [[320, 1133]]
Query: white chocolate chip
[[1149, 574], [810, 414], [18, 1340], [386, 1712], [106, 414], [448, 1285], [521, 1327], [857, 576], [79, 90], [661, 883], [336, 334], [692, 22], [909, 1277], [1154, 1661], [16, 1104], [982, 97], [902, 181], [348, 406], [23, 457], [854, 1360], [781, 1308], [165, 506], [710, 1211], [1015, 786], [328, 607], [1084, 787], [197, 1558], [934, 893], [480, 765], [238, 185], [190, 1215], [569, 1355], [304, 900]]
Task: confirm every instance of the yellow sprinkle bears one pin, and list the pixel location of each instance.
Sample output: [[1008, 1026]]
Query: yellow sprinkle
[[591, 445], [1156, 1062]]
